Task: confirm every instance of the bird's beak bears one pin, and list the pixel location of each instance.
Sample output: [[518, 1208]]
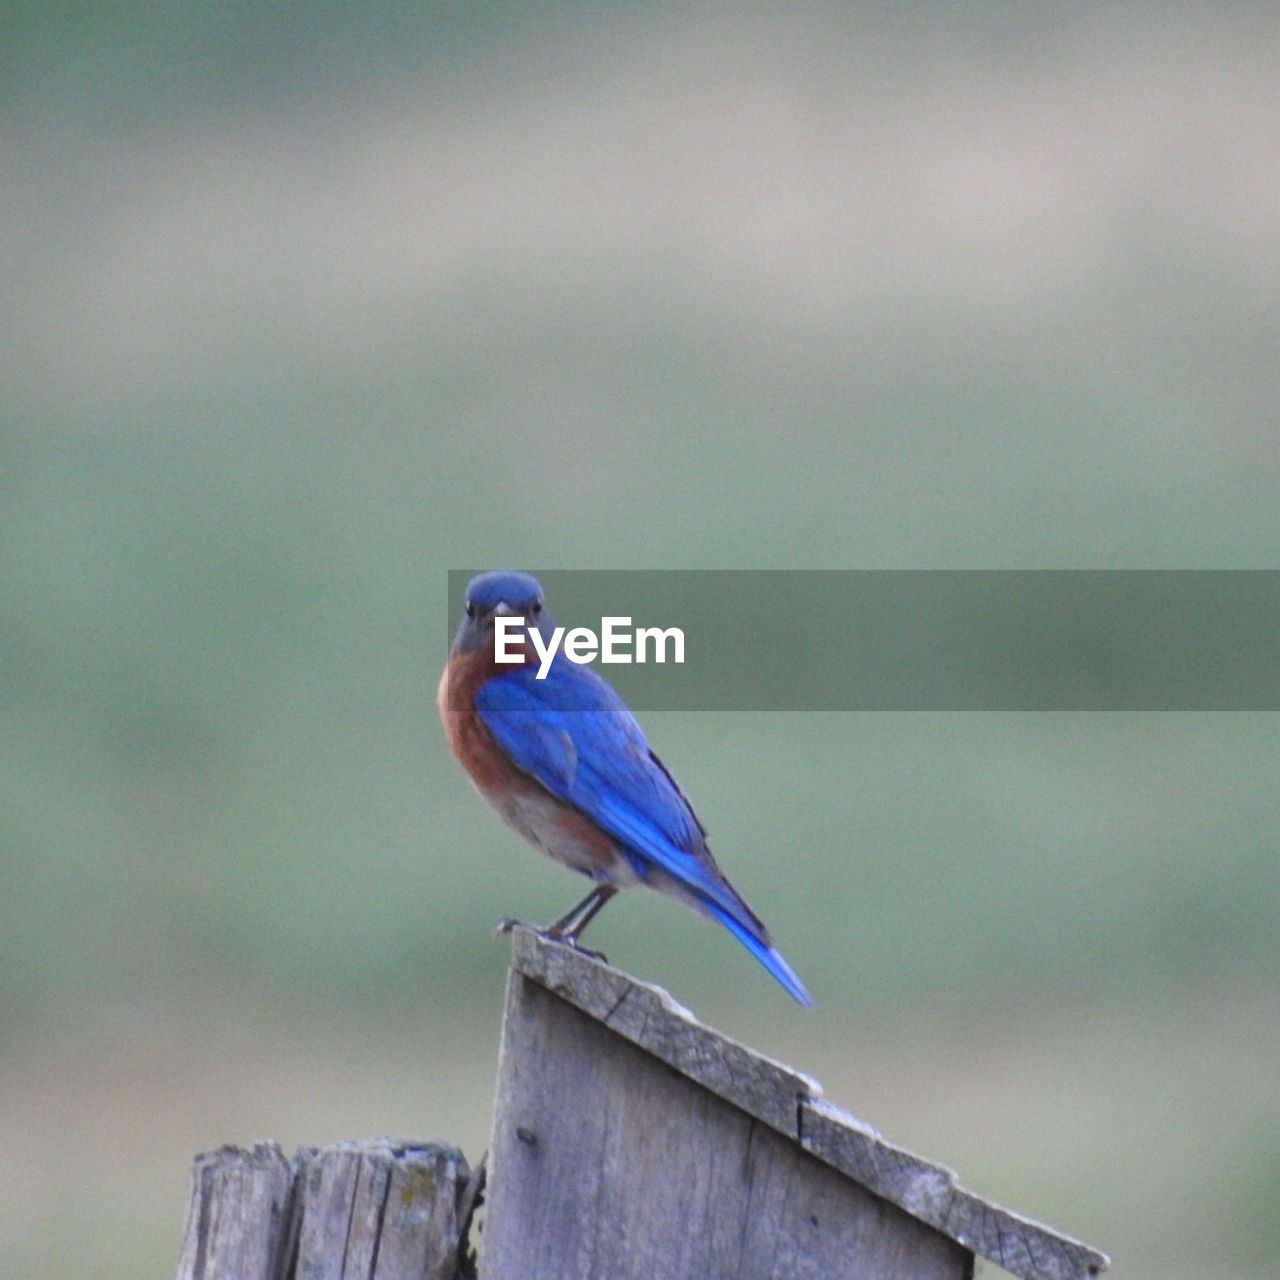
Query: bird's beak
[[503, 610]]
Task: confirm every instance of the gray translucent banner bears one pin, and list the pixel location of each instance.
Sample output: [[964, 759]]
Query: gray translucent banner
[[933, 640]]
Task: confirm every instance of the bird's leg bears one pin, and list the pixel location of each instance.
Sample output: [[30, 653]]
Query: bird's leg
[[570, 925], [581, 915], [560, 931]]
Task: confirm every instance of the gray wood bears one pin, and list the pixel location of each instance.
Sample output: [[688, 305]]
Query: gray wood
[[647, 1016], [629, 1141], [237, 1214], [930, 1192], [378, 1210], [633, 1013], [607, 1163]]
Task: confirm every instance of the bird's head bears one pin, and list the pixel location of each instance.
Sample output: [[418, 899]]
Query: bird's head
[[500, 593]]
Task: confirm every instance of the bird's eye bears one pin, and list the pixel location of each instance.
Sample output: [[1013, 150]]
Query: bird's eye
[[537, 607], [471, 610]]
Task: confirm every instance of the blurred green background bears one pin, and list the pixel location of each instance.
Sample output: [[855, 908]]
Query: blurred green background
[[305, 304]]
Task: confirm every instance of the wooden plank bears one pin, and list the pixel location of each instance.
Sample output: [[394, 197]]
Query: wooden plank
[[237, 1215], [930, 1192], [379, 1210], [608, 1164], [375, 1210], [790, 1103], [647, 1016]]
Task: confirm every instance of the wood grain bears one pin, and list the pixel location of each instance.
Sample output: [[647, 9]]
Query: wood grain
[[641, 1024], [608, 1163], [375, 1210]]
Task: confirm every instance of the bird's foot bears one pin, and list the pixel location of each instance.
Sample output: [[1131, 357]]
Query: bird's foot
[[551, 933], [571, 940]]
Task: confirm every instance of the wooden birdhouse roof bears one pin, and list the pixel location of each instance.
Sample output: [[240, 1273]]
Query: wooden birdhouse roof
[[581, 1112]]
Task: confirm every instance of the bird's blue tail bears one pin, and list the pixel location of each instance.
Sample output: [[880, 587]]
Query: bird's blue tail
[[762, 949]]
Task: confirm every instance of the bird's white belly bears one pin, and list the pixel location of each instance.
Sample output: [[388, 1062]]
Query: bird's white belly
[[564, 835]]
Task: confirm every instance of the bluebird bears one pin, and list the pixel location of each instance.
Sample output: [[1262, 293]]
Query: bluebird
[[565, 764]]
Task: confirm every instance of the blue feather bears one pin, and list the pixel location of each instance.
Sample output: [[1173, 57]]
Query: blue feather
[[765, 952]]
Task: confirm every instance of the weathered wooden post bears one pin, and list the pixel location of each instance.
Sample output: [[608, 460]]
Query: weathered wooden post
[[238, 1214], [378, 1210], [630, 1142]]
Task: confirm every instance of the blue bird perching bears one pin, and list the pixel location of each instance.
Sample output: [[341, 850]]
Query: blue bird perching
[[565, 764]]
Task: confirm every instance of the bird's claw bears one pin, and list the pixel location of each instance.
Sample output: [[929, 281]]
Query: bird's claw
[[568, 940], [550, 933]]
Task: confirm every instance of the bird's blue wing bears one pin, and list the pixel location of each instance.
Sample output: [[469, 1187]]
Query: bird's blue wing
[[575, 735]]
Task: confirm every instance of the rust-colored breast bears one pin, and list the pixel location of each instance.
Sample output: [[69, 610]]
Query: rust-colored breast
[[468, 737], [552, 824]]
